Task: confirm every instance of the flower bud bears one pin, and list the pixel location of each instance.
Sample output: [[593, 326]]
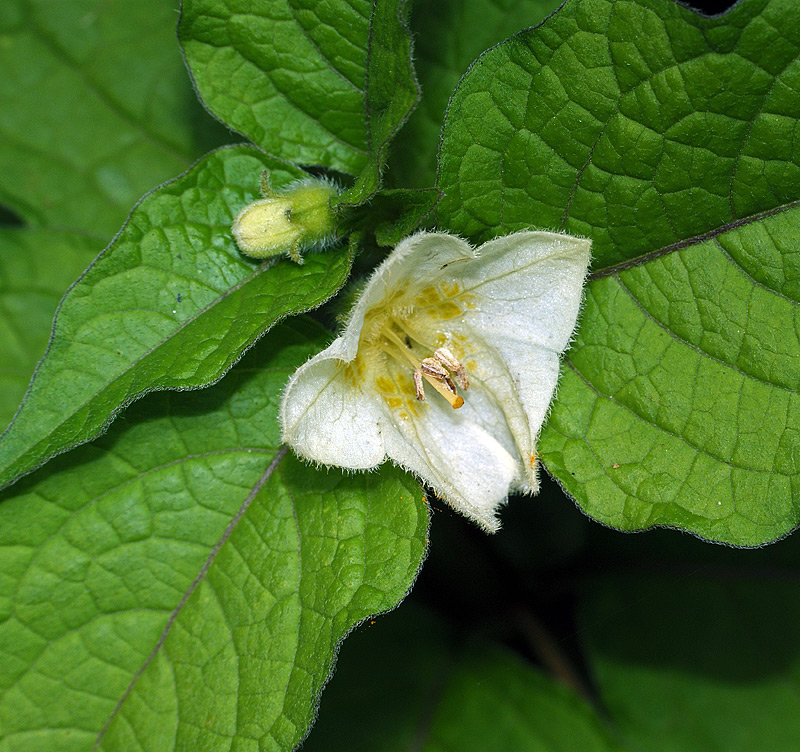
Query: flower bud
[[292, 220]]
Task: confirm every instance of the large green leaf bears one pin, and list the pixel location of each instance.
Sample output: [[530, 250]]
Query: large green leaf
[[680, 402], [95, 109], [170, 304], [697, 663], [36, 267], [405, 683], [297, 78], [448, 36], [391, 92], [667, 138], [183, 582]]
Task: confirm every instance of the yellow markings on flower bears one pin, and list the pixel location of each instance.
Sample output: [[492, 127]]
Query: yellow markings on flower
[[444, 301], [401, 347], [403, 350], [354, 372], [399, 394]]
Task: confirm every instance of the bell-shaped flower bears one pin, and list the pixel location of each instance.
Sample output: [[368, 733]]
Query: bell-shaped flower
[[447, 366]]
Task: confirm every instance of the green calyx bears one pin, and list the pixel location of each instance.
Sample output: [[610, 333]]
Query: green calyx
[[295, 219]]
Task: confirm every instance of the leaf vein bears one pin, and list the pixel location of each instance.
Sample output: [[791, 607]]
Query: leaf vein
[[694, 347], [688, 242], [679, 437], [260, 483]]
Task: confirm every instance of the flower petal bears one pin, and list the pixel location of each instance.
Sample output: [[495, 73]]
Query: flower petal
[[529, 284], [521, 379], [415, 261], [327, 419], [450, 449], [528, 287], [507, 310]]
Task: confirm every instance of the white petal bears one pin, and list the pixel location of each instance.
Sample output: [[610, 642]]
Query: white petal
[[415, 261], [529, 284], [521, 379], [527, 289], [520, 296], [466, 465], [327, 419]]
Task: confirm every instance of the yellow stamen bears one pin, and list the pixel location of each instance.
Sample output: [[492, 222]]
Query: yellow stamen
[[454, 400]]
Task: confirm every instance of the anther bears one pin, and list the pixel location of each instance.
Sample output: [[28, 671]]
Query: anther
[[418, 385], [430, 367], [447, 359], [435, 373]]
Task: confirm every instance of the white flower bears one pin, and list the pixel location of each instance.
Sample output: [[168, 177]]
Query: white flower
[[442, 326]]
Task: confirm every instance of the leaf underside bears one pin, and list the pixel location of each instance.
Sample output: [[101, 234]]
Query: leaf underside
[[392, 92]]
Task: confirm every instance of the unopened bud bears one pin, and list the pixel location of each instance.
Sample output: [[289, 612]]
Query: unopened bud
[[290, 221]]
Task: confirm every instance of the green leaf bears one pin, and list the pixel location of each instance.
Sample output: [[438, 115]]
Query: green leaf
[[171, 304], [447, 38], [665, 137], [392, 92], [36, 267], [95, 109], [403, 684], [183, 582], [680, 404], [693, 664], [297, 80], [494, 701], [393, 214], [401, 213], [288, 75]]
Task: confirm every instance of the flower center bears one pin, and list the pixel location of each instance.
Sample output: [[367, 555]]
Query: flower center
[[441, 370]]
